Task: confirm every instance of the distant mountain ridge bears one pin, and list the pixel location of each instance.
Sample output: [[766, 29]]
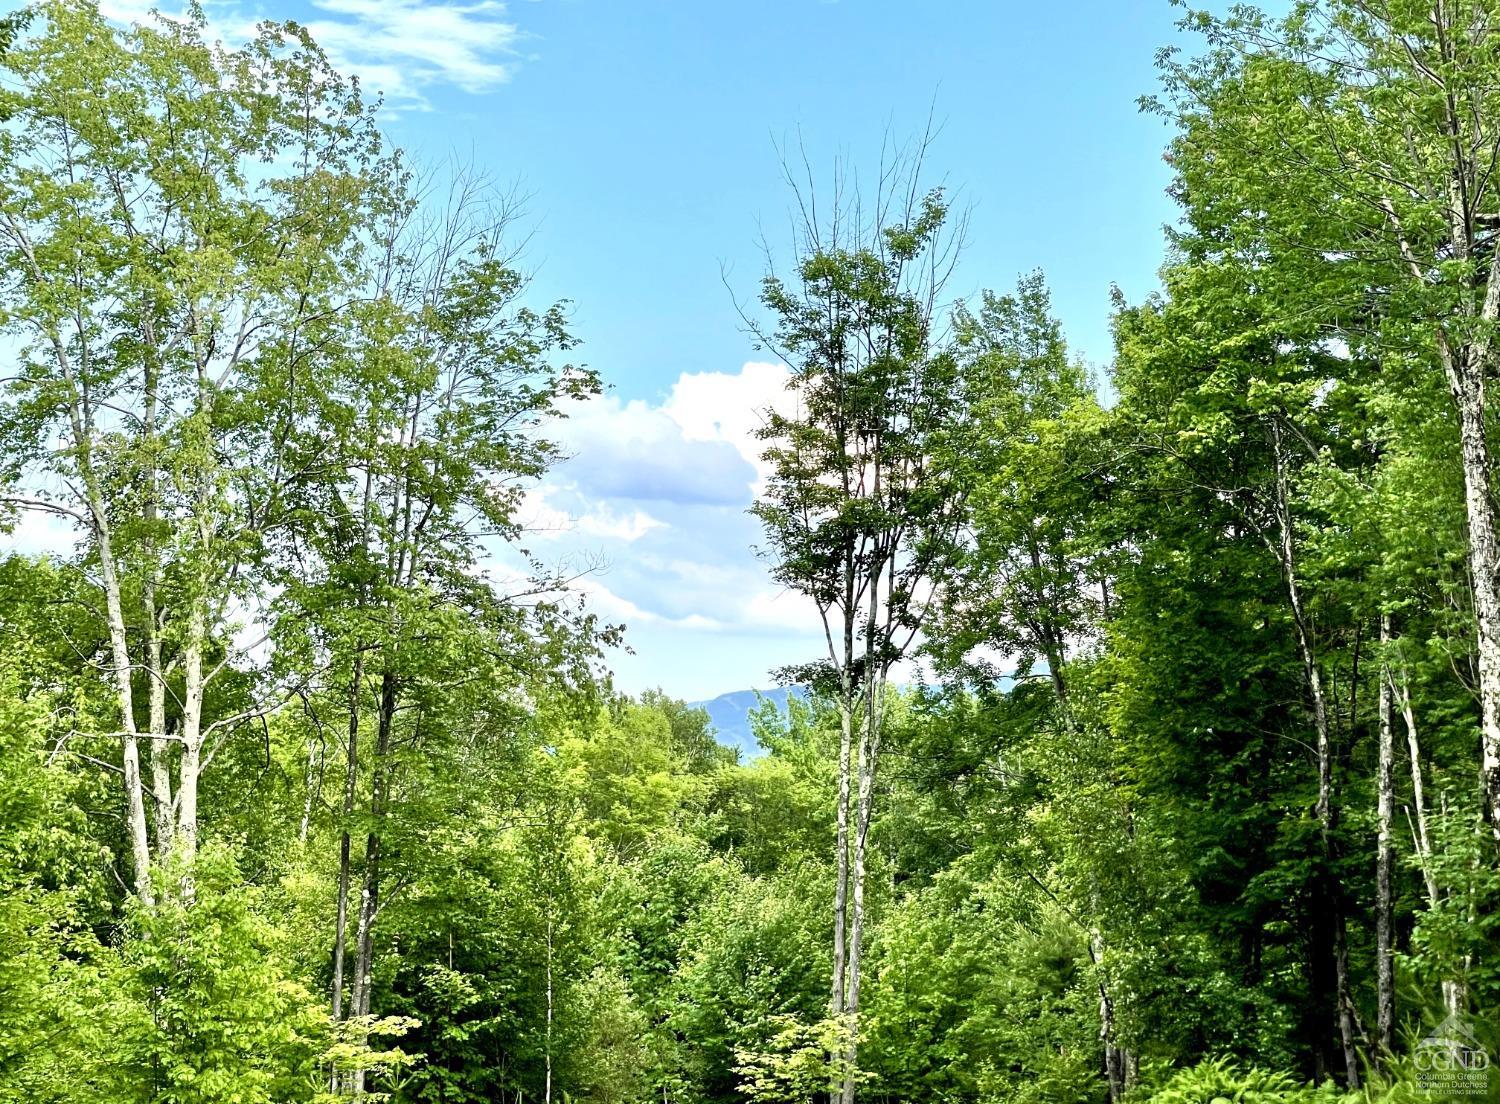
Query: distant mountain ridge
[[730, 714]]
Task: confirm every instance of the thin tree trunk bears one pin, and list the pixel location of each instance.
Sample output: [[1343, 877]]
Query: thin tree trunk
[[1422, 840], [130, 756], [1349, 1030], [1385, 966], [869, 748], [1114, 1064], [81, 423], [160, 749], [1118, 1065], [161, 794], [1465, 364], [156, 686], [873, 695], [1455, 992], [185, 841], [841, 877], [369, 903], [1344, 1009], [547, 1092], [351, 784], [351, 775], [849, 700], [135, 801]]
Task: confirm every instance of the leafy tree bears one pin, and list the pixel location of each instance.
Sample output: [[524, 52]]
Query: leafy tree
[[861, 511], [1024, 590], [158, 276], [1379, 122]]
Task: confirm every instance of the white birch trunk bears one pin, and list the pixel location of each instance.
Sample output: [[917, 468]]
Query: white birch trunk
[[1468, 393], [869, 746], [841, 877], [351, 775], [1385, 967], [185, 841], [135, 802], [1455, 992]]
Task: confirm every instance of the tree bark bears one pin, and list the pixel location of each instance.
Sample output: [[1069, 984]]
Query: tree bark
[[873, 700], [156, 686], [351, 776], [120, 671], [869, 749], [1286, 553], [1385, 966], [369, 902], [312, 783], [1348, 1024], [185, 840], [81, 424], [841, 882], [547, 1091], [135, 802], [1114, 1059], [1466, 359], [849, 703], [185, 843], [1455, 992], [1467, 383]]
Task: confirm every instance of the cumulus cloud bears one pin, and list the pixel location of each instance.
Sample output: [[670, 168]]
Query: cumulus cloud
[[659, 492], [653, 508], [699, 445], [635, 451], [613, 606], [730, 407]]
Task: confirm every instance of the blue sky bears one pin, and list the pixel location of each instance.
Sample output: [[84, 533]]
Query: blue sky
[[646, 133]]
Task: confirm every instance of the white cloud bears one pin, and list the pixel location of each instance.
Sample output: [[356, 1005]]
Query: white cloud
[[227, 23], [700, 444], [783, 610], [635, 451], [632, 528], [719, 406], [652, 509], [612, 606], [659, 493], [543, 516], [400, 48]]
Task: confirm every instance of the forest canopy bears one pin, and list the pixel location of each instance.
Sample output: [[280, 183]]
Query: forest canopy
[[1154, 754]]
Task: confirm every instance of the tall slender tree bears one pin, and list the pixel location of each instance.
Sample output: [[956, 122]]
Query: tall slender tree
[[862, 509]]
